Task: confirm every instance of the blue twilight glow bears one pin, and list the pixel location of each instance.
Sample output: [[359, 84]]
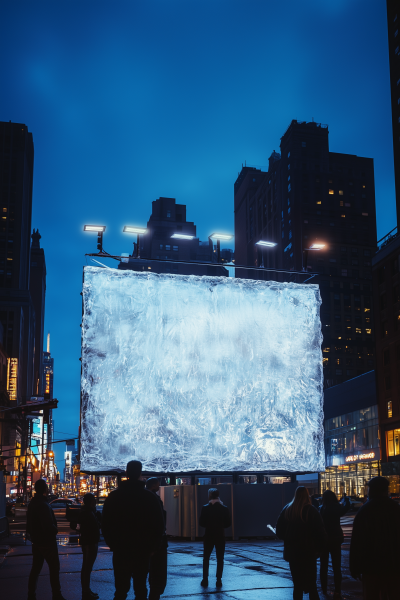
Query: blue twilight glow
[[208, 373]]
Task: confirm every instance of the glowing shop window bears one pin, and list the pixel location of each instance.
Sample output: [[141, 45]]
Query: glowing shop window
[[331, 192], [390, 409], [393, 442], [12, 377]]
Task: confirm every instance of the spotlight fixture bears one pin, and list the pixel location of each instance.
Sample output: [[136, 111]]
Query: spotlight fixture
[[317, 246], [266, 244], [99, 229], [220, 236], [138, 230], [182, 236]]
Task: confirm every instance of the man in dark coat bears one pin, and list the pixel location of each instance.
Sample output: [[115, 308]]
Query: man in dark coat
[[375, 548], [133, 526], [215, 518], [90, 537], [158, 561], [41, 527]]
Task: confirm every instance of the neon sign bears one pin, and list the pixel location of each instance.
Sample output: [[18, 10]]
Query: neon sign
[[355, 457]]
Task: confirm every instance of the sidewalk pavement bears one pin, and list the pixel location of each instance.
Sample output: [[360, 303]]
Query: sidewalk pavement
[[254, 570]]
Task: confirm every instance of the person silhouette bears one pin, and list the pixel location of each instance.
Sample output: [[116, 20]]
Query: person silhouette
[[215, 518]]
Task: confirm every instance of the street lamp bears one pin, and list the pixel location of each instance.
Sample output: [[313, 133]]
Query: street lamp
[[219, 237], [316, 246], [182, 236], [265, 244], [139, 231], [99, 229]]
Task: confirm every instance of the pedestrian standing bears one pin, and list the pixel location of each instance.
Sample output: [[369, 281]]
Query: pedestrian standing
[[90, 537], [132, 525], [375, 548], [301, 528], [41, 526], [215, 518], [331, 511], [158, 560]]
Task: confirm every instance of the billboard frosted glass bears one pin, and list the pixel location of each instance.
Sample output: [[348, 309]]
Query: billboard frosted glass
[[193, 373]]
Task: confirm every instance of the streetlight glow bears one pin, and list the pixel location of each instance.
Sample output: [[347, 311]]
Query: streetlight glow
[[317, 246], [182, 236], [266, 244], [96, 228], [139, 230]]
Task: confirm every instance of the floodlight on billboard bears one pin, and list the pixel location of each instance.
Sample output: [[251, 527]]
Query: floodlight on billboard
[[210, 374]]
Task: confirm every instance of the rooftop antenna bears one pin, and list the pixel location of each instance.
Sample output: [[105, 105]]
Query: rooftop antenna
[[48, 342]]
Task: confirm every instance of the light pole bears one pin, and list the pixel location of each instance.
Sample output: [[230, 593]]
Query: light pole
[[265, 244], [316, 246], [219, 237], [99, 229], [139, 231]]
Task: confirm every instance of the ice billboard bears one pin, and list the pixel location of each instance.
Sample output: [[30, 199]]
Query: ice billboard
[[210, 374]]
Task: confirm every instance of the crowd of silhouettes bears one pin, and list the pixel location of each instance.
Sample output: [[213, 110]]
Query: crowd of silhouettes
[[133, 524]]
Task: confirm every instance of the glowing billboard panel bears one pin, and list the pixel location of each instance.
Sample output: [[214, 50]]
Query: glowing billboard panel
[[191, 373]]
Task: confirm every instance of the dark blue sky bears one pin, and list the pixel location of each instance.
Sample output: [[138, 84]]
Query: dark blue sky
[[128, 101]]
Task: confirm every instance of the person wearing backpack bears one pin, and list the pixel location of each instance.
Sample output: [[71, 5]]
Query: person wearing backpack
[[301, 528]]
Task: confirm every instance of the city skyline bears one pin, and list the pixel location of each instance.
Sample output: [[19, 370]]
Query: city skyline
[[124, 112]]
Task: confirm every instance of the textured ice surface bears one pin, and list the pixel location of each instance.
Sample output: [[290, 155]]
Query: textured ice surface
[[208, 373]]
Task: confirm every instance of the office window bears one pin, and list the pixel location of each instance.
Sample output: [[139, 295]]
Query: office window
[[331, 192], [389, 409], [167, 247], [175, 248], [168, 214], [161, 247], [303, 144]]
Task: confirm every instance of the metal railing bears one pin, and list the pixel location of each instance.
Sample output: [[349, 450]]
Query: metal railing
[[387, 238]]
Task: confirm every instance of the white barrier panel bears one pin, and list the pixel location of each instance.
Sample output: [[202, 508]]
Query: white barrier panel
[[200, 373]]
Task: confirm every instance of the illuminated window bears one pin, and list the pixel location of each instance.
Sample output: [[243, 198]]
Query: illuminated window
[[12, 377], [393, 442], [365, 214], [167, 247], [175, 248], [341, 203], [344, 216], [168, 213], [331, 192], [368, 331], [340, 192], [389, 409], [358, 330], [326, 350]]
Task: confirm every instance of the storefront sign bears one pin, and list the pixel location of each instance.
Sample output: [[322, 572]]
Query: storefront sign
[[355, 457]]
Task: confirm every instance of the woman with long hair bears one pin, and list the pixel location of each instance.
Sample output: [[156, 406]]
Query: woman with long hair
[[331, 511], [301, 528]]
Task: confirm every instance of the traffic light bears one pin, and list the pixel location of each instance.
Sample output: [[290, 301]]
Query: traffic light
[[100, 241]]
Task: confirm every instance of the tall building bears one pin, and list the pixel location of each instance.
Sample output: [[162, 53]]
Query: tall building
[[393, 20], [168, 218], [386, 285], [17, 314], [311, 195], [48, 379], [37, 289]]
